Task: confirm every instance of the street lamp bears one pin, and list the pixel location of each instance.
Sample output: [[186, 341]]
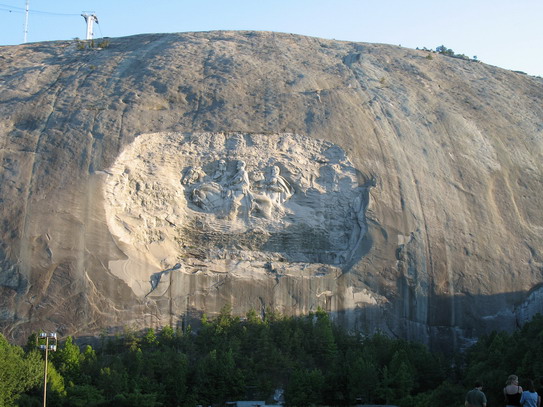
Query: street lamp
[[47, 342]]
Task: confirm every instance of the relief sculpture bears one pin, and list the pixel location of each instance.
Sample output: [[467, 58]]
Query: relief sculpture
[[278, 188], [235, 195], [252, 198]]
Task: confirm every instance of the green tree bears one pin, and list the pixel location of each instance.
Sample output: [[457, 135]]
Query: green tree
[[442, 49], [253, 317], [150, 339], [131, 340], [225, 319], [84, 395], [385, 389], [218, 379], [361, 376], [67, 360], [172, 371], [113, 380], [403, 374], [19, 372], [323, 345], [167, 336], [305, 388]]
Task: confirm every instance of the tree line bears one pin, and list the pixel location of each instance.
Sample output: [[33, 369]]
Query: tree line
[[308, 359]]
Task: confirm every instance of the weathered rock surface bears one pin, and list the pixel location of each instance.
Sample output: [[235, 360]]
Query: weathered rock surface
[[168, 175]]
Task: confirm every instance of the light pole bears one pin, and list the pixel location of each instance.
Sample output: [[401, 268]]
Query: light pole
[[47, 342]]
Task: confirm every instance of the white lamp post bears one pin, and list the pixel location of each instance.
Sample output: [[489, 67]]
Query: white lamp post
[[47, 342]]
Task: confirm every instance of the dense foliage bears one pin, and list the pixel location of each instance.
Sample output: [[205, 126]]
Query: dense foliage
[[500, 354], [18, 371], [310, 359]]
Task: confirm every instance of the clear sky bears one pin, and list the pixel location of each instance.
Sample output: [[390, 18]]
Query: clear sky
[[505, 33]]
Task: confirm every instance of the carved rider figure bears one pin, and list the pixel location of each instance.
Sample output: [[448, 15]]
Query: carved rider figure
[[192, 175], [278, 188], [208, 194], [220, 173], [239, 193]]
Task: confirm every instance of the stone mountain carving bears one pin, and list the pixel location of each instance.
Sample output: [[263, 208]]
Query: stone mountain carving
[[170, 174], [226, 197], [263, 198]]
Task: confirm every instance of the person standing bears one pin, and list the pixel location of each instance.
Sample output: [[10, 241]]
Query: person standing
[[540, 389], [512, 392], [529, 397], [476, 397]]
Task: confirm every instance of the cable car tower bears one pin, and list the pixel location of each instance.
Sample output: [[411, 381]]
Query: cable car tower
[[90, 19]]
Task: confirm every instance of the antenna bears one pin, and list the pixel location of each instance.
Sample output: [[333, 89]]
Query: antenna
[[26, 21], [90, 19]]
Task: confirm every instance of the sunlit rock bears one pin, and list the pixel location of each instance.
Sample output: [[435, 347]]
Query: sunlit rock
[[168, 175]]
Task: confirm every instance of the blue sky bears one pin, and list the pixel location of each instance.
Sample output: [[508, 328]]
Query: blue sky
[[505, 33]]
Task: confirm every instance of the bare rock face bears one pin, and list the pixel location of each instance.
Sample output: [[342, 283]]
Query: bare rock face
[[169, 175]]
